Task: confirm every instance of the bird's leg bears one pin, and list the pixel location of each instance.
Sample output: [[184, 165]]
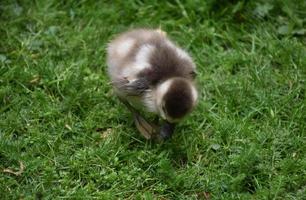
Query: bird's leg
[[128, 105], [147, 129]]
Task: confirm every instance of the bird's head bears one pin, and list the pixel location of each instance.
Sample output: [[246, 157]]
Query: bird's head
[[175, 98]]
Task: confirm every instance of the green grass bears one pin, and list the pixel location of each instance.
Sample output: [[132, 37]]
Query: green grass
[[245, 140]]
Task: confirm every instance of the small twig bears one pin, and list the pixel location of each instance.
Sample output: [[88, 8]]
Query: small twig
[[17, 173]]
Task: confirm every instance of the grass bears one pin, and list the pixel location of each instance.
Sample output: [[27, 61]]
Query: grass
[[245, 140]]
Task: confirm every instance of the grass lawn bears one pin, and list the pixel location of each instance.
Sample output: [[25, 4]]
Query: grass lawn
[[64, 135]]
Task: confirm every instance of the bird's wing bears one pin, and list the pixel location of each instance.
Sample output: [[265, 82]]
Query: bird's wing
[[132, 88]]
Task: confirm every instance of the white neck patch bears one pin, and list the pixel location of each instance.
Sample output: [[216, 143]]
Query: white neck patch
[[153, 99], [160, 93], [194, 93]]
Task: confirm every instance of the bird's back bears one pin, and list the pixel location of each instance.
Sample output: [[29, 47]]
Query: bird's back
[[148, 54]]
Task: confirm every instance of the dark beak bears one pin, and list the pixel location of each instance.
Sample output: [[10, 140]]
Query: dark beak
[[166, 130]]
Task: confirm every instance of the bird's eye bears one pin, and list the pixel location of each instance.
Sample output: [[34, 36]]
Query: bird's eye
[[193, 74]]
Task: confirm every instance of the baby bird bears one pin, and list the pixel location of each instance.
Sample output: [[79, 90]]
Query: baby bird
[[148, 70]]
